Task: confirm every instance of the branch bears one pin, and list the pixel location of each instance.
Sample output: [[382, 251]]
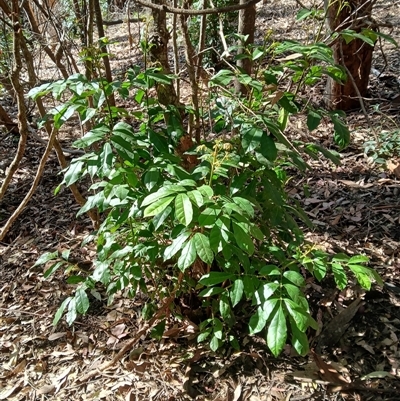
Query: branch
[[121, 21], [217, 10]]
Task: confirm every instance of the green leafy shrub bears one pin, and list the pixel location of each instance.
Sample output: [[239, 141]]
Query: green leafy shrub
[[384, 147], [224, 234]]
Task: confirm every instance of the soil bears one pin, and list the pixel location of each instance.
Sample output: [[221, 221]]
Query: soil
[[355, 208]]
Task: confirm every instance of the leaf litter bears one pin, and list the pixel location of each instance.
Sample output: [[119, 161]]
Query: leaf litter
[[355, 209]]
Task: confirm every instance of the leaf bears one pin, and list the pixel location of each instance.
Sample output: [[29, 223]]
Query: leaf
[[213, 278], [299, 316], [268, 147], [299, 340], [218, 328], [342, 133], [214, 344], [81, 301], [224, 307], [71, 315], [176, 246], [277, 332], [251, 138], [242, 238], [211, 291], [355, 260], [188, 255], [294, 277], [74, 172], [236, 292], [45, 258], [159, 77], [313, 120], [206, 191], [61, 310], [245, 205], [209, 216], [222, 77], [339, 275], [53, 268], [159, 218], [183, 209], [196, 197], [257, 321], [203, 248], [151, 178], [158, 206]]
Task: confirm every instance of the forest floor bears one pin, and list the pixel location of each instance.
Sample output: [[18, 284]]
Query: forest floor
[[355, 208]]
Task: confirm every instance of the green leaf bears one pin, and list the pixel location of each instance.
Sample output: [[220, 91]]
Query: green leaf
[[158, 206], [176, 246], [151, 178], [355, 260], [294, 277], [159, 77], [61, 310], [299, 316], [45, 258], [53, 268], [94, 135], [339, 276], [363, 275], [162, 193], [203, 336], [268, 147], [211, 291], [313, 120], [245, 205], [222, 77], [214, 344], [243, 238], [206, 191], [106, 160], [299, 339], [218, 328], [196, 197], [158, 330], [251, 138], [342, 133], [160, 218], [224, 307], [213, 278], [183, 209], [209, 216], [71, 315], [203, 248], [81, 301], [257, 321], [74, 172], [188, 255], [236, 291], [277, 332]]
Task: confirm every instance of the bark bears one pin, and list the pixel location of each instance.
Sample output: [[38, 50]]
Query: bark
[[103, 49], [16, 82], [159, 54], [247, 21], [355, 57]]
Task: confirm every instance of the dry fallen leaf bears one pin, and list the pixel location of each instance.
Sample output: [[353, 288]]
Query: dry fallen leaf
[[394, 167], [328, 372]]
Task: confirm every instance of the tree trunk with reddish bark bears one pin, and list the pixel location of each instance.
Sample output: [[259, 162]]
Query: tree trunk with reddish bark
[[355, 57]]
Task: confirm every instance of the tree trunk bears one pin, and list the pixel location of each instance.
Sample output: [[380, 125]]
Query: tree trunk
[[355, 57], [159, 54], [246, 27]]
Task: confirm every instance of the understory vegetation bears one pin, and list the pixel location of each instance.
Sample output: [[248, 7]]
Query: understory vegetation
[[209, 233]]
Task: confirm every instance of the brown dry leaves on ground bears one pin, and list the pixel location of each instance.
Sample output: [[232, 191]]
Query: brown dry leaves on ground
[[355, 208]]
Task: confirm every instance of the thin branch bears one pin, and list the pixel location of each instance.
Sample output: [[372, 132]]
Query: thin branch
[[217, 10]]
